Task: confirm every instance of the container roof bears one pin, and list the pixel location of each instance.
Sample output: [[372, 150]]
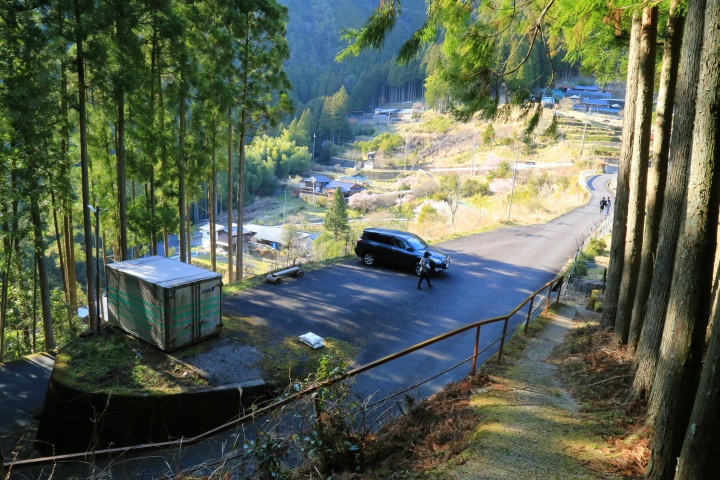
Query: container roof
[[164, 271]]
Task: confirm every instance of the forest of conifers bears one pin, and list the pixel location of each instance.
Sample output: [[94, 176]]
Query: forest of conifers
[[140, 108]]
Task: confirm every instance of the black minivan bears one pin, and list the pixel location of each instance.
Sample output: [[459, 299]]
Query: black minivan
[[395, 247]]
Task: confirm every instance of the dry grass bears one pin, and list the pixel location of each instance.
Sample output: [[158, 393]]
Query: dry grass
[[440, 437], [599, 374]]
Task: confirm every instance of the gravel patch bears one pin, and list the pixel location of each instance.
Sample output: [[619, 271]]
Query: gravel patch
[[227, 361]]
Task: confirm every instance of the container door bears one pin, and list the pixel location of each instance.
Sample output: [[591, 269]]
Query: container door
[[182, 321], [209, 315]]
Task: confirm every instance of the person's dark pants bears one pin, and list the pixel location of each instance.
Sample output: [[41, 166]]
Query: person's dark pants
[[426, 276]]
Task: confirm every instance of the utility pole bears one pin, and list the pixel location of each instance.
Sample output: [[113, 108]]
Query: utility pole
[[313, 157], [472, 164], [587, 117], [512, 190], [405, 158]]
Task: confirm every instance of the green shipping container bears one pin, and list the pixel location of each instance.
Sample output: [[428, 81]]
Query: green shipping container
[[165, 302]]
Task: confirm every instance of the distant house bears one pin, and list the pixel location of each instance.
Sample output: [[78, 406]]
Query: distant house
[[597, 106], [315, 183], [274, 237], [347, 188], [584, 92], [221, 235]]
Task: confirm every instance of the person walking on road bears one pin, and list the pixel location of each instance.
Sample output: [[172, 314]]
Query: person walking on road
[[603, 204], [425, 270], [607, 206]]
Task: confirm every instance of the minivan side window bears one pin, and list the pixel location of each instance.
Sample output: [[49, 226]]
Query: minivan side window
[[400, 243], [384, 239], [376, 237]]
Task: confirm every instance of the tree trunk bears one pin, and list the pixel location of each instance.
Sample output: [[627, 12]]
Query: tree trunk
[[638, 173], [84, 161], [617, 246], [65, 238], [166, 241], [211, 211], [152, 204], [229, 198], [700, 454], [70, 252], [62, 259], [120, 156], [658, 170], [184, 245], [122, 195], [674, 204], [241, 193], [688, 313], [4, 290], [188, 232], [39, 245]]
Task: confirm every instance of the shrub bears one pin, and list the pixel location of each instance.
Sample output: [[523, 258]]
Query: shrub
[[472, 187], [586, 256], [581, 267], [428, 213], [596, 246], [594, 304], [503, 170]]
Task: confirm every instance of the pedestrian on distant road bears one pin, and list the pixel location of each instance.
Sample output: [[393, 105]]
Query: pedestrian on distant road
[[603, 203], [425, 270], [607, 206]]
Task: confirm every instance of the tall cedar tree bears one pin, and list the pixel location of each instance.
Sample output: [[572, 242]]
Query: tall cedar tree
[[622, 194], [657, 172], [336, 218], [648, 350], [638, 172], [689, 305], [262, 83], [27, 86]]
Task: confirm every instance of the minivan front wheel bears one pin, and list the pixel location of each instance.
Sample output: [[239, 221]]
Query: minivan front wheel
[[369, 259]]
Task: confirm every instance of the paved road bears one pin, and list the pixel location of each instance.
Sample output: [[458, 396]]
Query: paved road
[[491, 273], [23, 384]]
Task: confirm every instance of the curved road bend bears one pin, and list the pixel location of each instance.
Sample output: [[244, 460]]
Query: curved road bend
[[491, 273]]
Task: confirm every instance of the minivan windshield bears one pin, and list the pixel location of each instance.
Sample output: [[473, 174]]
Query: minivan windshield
[[416, 243]]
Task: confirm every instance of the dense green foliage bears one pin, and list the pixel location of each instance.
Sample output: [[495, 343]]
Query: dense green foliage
[[385, 142], [145, 98], [370, 79], [336, 219]]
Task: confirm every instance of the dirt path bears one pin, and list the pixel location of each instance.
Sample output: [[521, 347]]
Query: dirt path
[[531, 424]]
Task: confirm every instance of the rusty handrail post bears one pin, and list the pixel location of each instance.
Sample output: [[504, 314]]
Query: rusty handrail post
[[559, 289], [502, 339], [547, 300], [475, 351], [527, 319]]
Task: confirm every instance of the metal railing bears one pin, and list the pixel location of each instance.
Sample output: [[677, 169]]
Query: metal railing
[[546, 293]]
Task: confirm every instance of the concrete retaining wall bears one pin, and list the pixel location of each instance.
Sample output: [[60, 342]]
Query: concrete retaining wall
[[75, 420]]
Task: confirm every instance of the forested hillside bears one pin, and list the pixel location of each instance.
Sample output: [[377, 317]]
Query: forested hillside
[[313, 34]]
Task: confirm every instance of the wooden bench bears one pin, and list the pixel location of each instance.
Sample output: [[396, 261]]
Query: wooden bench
[[275, 277]]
